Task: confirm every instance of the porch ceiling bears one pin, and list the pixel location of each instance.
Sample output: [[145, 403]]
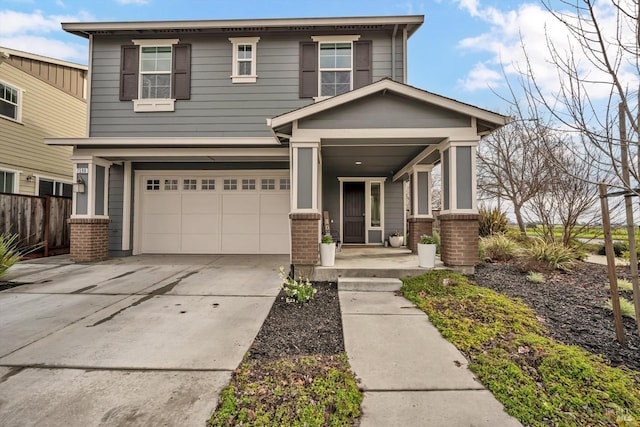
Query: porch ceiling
[[376, 160]]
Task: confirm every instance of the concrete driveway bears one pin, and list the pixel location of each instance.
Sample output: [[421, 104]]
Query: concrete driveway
[[138, 341]]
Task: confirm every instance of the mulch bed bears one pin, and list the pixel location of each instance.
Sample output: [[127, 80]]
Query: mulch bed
[[572, 306], [314, 328]]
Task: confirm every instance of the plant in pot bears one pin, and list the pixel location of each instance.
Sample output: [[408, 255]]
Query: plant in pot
[[427, 251], [395, 239], [327, 251]]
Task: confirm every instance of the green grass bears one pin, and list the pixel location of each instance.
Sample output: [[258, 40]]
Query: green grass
[[538, 380], [592, 232], [303, 391]]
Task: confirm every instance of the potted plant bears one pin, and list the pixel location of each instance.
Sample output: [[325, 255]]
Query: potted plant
[[427, 251], [327, 251], [395, 239]]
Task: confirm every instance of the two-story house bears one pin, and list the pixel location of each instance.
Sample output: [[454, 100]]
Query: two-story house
[[234, 136], [40, 98]]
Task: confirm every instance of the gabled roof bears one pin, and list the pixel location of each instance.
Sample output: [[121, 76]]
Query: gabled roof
[[7, 53], [229, 26], [488, 117]]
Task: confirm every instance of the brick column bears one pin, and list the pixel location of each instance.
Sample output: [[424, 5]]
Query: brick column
[[89, 239], [418, 227], [305, 238], [459, 241]]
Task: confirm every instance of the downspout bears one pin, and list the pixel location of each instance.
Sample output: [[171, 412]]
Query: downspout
[[393, 53], [405, 37]]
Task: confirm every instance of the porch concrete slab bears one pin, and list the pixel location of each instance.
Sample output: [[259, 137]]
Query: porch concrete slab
[[434, 408], [154, 332], [369, 284], [26, 318], [400, 352], [86, 398], [376, 303]]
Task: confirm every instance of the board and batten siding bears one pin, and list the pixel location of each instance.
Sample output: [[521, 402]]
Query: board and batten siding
[[217, 108], [47, 112]]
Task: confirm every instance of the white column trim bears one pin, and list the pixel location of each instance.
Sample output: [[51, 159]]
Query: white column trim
[[314, 177], [414, 198], [453, 184]]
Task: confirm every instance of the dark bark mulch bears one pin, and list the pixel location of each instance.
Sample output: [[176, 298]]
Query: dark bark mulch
[[293, 329], [572, 306]]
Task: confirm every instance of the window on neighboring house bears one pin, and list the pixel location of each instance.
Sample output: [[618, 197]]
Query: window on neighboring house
[[9, 101], [244, 59], [333, 65], [7, 181], [50, 187], [155, 72], [335, 68]]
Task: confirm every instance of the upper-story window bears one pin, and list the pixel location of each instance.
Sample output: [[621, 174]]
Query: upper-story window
[[335, 68], [9, 102], [244, 59], [154, 73], [333, 65]]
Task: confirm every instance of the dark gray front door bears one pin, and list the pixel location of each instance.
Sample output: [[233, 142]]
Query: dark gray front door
[[353, 193]]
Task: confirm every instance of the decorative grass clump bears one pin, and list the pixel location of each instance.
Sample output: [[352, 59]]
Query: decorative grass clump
[[624, 285], [626, 308], [491, 221], [302, 391], [499, 247], [538, 380], [535, 277], [555, 255], [9, 253]]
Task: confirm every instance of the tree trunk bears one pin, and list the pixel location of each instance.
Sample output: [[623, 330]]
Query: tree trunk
[[519, 220]]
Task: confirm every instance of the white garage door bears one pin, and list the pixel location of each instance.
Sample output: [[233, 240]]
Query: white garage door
[[209, 214]]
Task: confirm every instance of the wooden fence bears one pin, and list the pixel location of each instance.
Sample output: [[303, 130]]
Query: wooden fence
[[37, 220]]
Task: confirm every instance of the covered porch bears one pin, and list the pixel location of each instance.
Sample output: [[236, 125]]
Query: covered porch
[[366, 159]]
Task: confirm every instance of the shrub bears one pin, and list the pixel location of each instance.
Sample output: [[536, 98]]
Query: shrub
[[299, 291], [491, 221], [327, 238], [535, 277], [618, 249], [9, 253], [557, 256], [626, 308], [499, 247]]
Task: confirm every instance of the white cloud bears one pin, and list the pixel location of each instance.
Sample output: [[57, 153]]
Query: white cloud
[[531, 26], [42, 34]]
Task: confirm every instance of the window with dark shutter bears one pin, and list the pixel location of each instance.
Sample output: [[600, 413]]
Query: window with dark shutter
[[308, 69], [362, 64], [181, 73], [129, 73]]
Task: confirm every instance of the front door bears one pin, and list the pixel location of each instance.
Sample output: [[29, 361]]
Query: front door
[[354, 212]]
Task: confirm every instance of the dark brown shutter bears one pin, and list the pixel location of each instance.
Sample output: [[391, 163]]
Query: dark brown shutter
[[129, 72], [181, 73], [362, 64], [308, 69]]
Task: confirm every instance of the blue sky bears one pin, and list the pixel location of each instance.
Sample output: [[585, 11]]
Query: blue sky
[[457, 52]]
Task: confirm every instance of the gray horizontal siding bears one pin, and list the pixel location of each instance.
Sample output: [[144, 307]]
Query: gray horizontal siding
[[116, 188], [217, 107]]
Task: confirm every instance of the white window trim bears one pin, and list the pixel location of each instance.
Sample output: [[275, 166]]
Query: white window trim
[[50, 178], [367, 206], [148, 105], [20, 92], [333, 39], [16, 178], [238, 41]]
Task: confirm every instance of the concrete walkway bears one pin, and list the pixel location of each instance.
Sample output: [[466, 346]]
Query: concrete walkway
[[410, 375]]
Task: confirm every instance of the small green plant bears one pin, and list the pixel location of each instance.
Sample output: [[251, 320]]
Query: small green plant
[[557, 256], [327, 239], [499, 247], [9, 253], [624, 285], [491, 221], [436, 237], [427, 240], [626, 308], [299, 291], [535, 277], [396, 234]]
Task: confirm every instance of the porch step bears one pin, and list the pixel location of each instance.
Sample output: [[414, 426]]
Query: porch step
[[368, 284]]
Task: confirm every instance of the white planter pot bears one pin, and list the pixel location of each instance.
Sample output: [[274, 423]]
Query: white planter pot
[[396, 241], [426, 255], [327, 254]]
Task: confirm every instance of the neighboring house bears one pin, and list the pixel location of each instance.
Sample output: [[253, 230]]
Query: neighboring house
[[234, 136], [40, 98]]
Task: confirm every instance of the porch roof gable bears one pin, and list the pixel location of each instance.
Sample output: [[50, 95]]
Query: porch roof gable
[[489, 119]]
